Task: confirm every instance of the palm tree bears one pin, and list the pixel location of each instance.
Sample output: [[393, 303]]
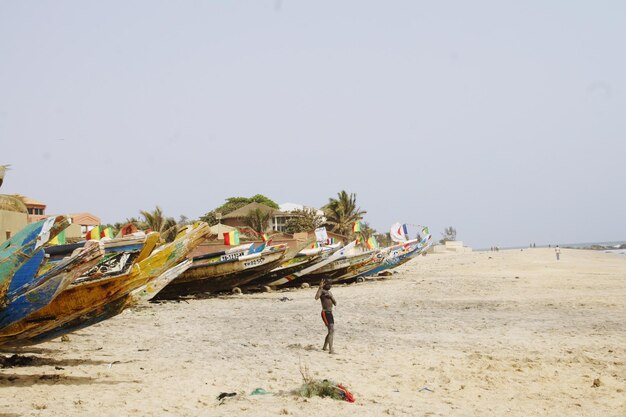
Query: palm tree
[[258, 220], [166, 226], [3, 169], [342, 212]]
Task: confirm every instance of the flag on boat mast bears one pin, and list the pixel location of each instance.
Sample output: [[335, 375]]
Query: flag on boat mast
[[399, 233], [321, 235], [94, 233], [231, 238], [372, 243]]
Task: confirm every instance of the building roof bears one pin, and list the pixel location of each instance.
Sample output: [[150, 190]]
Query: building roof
[[245, 211], [12, 203], [219, 229], [31, 202], [87, 219]]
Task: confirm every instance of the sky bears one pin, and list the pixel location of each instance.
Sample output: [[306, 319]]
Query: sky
[[503, 119]]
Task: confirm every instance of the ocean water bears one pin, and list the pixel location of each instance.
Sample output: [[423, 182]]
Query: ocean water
[[611, 246], [614, 244], [621, 252]]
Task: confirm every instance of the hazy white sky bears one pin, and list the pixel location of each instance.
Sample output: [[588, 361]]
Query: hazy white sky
[[504, 119]]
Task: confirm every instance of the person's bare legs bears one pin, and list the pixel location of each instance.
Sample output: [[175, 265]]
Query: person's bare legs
[[329, 338]]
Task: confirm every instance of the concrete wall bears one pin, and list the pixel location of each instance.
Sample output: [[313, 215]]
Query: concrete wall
[[74, 232], [11, 223], [449, 246]]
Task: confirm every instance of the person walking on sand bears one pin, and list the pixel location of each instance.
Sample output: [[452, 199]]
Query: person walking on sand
[[557, 250], [328, 301]]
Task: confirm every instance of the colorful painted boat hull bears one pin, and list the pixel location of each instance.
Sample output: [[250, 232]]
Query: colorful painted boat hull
[[285, 269], [328, 257], [397, 257], [82, 298], [54, 282], [26, 275], [339, 268], [111, 309], [16, 251], [220, 277]]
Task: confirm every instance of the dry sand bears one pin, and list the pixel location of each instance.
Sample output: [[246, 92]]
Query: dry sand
[[509, 333]]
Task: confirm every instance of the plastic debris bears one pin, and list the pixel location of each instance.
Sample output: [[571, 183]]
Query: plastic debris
[[226, 394], [259, 391]]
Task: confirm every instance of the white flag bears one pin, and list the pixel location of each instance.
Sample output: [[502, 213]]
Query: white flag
[[321, 235]]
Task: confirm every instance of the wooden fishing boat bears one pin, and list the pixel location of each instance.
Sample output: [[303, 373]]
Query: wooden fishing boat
[[296, 259], [151, 289], [16, 251], [353, 272], [286, 268], [111, 309], [214, 276], [31, 298], [26, 275], [83, 297], [120, 254], [329, 254], [399, 254], [340, 268]]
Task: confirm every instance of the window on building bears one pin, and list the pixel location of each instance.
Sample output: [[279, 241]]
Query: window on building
[[279, 224], [8, 235]]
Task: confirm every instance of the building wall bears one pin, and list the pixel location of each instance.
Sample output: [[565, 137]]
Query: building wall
[[74, 232], [11, 223], [240, 224]]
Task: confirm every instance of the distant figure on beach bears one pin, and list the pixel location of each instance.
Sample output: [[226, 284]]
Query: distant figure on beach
[[557, 250], [328, 301]]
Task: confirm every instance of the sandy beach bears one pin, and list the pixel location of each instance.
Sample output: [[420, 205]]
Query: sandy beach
[[513, 333]]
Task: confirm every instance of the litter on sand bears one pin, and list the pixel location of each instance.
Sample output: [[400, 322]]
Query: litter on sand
[[259, 391], [226, 394]]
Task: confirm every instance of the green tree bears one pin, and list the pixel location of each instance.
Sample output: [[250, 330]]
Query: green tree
[[260, 198], [449, 234], [304, 220], [342, 212], [384, 239], [258, 220], [156, 221], [366, 231], [234, 203]]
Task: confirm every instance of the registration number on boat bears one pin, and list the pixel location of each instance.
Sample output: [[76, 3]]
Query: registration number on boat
[[253, 262], [231, 256]]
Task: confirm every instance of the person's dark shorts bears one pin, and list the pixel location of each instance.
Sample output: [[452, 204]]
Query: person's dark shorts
[[328, 318]]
